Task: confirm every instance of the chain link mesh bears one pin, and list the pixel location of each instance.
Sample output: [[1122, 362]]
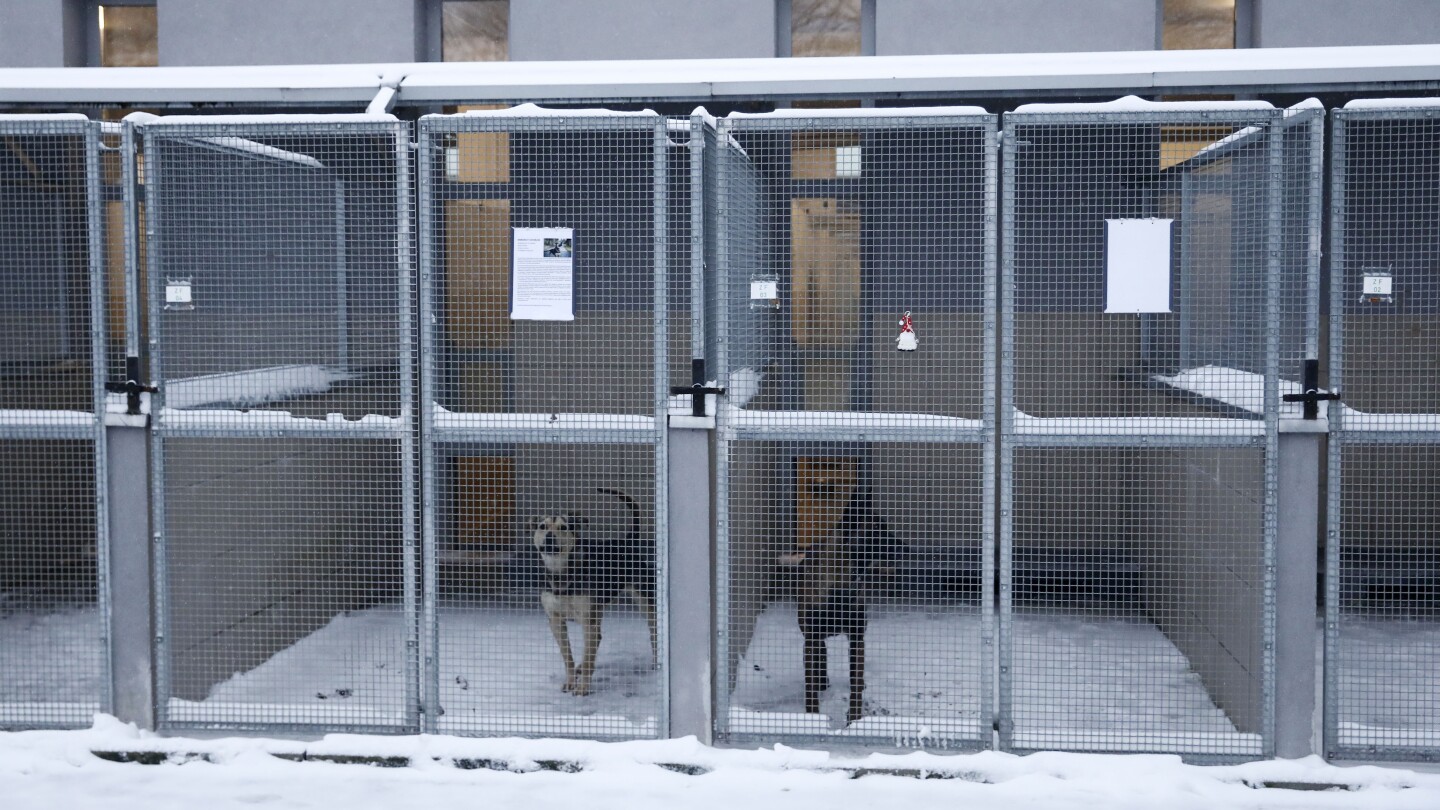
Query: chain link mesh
[[557, 254], [280, 317], [53, 646], [856, 255], [1383, 573], [1140, 325]]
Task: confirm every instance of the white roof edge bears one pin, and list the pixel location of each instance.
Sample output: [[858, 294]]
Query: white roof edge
[[695, 79], [1137, 104], [1392, 103], [863, 112]]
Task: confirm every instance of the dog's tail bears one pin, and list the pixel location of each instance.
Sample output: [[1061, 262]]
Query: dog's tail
[[630, 502]]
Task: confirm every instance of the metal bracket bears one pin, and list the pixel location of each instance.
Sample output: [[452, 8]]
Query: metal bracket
[[131, 388], [697, 389], [1310, 384]]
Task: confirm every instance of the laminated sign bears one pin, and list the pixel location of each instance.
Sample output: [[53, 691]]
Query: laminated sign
[[542, 276], [1137, 265]]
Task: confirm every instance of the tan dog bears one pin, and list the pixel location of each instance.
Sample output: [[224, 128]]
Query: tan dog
[[583, 576]]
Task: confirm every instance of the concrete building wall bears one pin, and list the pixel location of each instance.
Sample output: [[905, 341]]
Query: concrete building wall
[[1302, 23], [284, 32], [641, 29], [42, 33], [1205, 580], [1019, 26]]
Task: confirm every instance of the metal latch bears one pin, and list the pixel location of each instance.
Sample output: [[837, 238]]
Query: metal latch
[[131, 388], [698, 389], [1310, 385]]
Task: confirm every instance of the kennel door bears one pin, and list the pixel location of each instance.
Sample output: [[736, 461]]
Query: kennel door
[[54, 637], [283, 461]]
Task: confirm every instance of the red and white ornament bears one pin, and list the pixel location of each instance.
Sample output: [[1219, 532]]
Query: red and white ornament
[[908, 341]]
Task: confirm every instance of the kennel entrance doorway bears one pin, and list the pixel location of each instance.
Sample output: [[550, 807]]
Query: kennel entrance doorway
[[54, 603], [855, 466], [555, 266], [1145, 346], [1382, 606], [282, 460]]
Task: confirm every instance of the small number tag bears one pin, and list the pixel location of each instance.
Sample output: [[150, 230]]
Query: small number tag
[[178, 294], [1377, 285]]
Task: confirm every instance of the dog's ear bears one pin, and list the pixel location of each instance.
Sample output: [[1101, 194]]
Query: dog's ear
[[577, 520], [535, 523]]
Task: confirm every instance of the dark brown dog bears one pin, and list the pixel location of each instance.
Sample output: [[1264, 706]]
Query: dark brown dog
[[835, 577]]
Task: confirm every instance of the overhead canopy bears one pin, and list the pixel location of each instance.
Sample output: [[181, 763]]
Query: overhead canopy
[[1392, 68]]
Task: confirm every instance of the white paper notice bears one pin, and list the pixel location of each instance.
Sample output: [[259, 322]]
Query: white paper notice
[[542, 277], [1137, 265]]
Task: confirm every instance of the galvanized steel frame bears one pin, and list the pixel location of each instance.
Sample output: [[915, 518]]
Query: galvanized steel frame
[[1342, 142], [86, 426], [401, 430], [1269, 122], [434, 436], [727, 434]]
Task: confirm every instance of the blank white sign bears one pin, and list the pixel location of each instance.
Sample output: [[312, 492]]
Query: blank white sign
[[1137, 265]]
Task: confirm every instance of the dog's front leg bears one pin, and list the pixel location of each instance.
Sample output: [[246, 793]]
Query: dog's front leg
[[562, 640], [815, 675], [591, 626], [857, 676]]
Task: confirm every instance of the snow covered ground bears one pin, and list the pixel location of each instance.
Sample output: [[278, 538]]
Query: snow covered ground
[[48, 769], [1080, 681], [1132, 680], [1390, 677]]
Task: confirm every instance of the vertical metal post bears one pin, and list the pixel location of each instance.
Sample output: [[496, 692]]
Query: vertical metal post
[[430, 641], [128, 584], [661, 359], [689, 582], [1334, 470], [1298, 504], [95, 224], [157, 438], [990, 483], [1275, 202], [720, 352], [405, 359], [697, 251], [1004, 718]]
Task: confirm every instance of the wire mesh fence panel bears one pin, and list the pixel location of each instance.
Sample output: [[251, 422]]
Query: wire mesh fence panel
[[1383, 564], [555, 257], [53, 636], [1141, 333], [855, 311], [283, 464]]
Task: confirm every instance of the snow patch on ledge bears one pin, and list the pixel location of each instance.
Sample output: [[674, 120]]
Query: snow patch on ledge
[[451, 420], [1137, 104], [32, 418], [862, 112], [267, 118], [46, 118], [850, 420], [1028, 425], [252, 387], [536, 111], [222, 418], [1392, 103]]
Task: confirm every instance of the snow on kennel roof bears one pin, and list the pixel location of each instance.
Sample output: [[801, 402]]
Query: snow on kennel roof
[[690, 80]]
